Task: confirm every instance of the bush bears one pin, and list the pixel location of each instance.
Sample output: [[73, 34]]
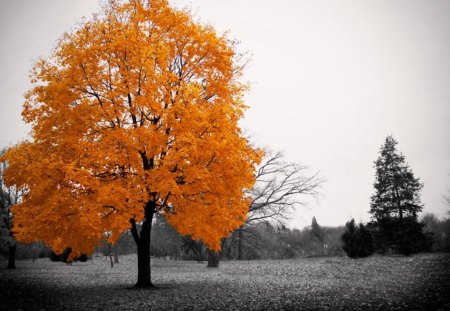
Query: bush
[[61, 257], [405, 236], [82, 258], [412, 239], [45, 252], [65, 256], [357, 240]]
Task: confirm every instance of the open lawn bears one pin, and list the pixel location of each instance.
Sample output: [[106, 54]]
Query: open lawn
[[420, 282]]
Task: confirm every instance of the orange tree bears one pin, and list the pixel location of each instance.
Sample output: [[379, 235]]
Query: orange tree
[[134, 113]]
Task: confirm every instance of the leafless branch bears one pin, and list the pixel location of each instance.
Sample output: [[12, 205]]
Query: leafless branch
[[280, 188]]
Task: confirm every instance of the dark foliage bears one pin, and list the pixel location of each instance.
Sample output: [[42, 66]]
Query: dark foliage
[[9, 196], [405, 236], [64, 256], [82, 258], [357, 240], [61, 257], [440, 230], [194, 248]]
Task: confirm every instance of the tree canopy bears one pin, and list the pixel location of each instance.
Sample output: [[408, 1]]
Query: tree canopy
[[138, 104]]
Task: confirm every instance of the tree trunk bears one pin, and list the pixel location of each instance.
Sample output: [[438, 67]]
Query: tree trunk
[[239, 244], [12, 257], [116, 257], [213, 259], [400, 210], [110, 256], [142, 240]]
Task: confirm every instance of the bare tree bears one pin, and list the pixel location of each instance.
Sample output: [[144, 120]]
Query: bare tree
[[280, 188], [8, 197]]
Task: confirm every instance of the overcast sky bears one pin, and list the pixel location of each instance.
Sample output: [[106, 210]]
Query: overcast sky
[[329, 81]]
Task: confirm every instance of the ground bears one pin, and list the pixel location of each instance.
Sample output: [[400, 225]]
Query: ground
[[419, 282]]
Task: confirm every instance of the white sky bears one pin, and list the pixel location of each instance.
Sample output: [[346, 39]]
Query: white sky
[[330, 80]]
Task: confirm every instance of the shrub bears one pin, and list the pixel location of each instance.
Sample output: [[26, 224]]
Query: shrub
[[357, 240], [405, 236], [82, 258], [412, 239], [61, 257]]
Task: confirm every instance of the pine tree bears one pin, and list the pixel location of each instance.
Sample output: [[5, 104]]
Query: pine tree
[[317, 238], [396, 203], [316, 231], [397, 192]]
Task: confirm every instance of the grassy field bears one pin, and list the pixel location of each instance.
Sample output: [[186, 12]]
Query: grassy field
[[420, 282]]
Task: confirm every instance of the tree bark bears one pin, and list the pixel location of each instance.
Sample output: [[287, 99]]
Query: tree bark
[[213, 259], [110, 256], [239, 257], [400, 210], [142, 240], [116, 257], [12, 257]]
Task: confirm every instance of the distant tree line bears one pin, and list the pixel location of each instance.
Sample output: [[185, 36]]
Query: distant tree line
[[264, 240], [440, 230]]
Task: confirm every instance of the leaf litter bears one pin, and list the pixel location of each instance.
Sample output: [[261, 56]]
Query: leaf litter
[[419, 282]]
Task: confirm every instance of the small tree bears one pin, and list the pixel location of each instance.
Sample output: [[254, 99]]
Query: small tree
[[434, 227], [357, 240], [317, 237]]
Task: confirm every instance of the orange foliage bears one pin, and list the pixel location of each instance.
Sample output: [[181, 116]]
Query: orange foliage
[[139, 81]]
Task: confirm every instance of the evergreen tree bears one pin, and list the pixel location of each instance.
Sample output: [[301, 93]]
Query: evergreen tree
[[316, 231], [357, 240], [317, 238], [396, 203], [397, 190]]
